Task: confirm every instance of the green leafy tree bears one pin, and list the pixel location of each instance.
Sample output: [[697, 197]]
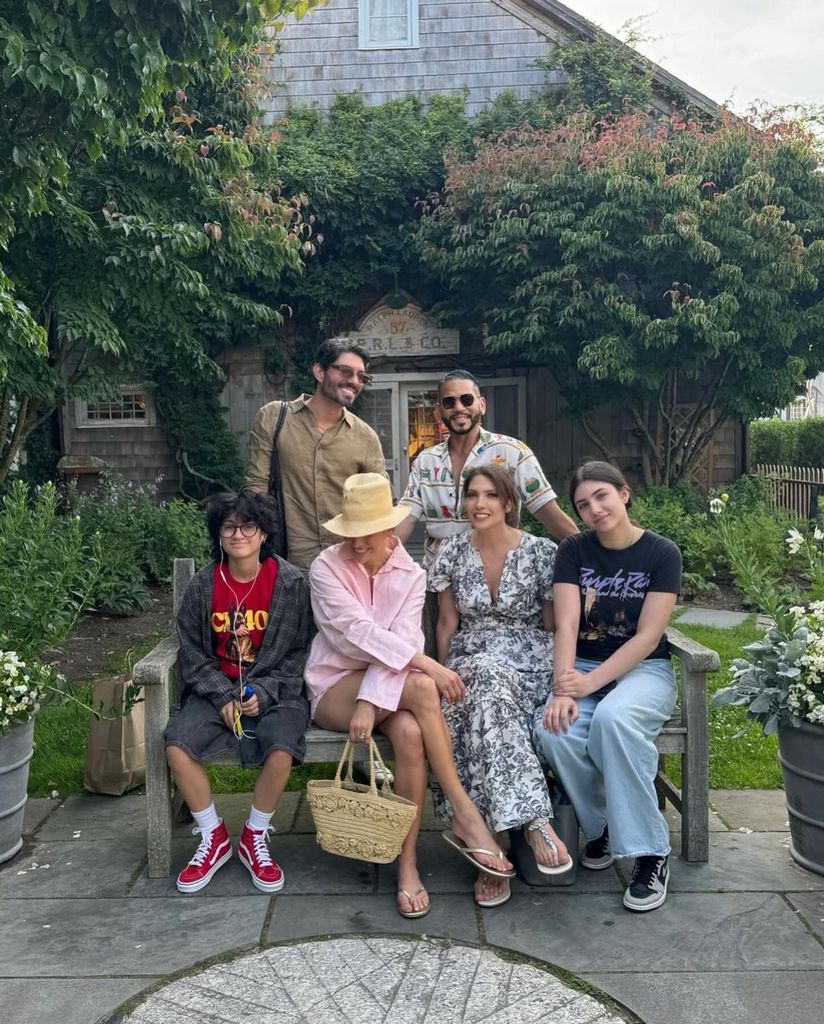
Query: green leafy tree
[[149, 259], [674, 268], [603, 75], [76, 76]]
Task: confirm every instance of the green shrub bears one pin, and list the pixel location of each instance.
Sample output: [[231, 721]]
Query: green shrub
[[140, 540], [662, 510], [749, 493], [809, 443], [771, 443], [176, 530], [787, 442], [49, 569]]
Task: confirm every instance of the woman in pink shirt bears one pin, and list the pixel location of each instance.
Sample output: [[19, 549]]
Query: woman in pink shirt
[[366, 671]]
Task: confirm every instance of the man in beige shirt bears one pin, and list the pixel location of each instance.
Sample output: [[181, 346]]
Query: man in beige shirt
[[321, 443]]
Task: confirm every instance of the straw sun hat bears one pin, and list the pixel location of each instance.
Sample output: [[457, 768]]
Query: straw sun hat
[[367, 507]]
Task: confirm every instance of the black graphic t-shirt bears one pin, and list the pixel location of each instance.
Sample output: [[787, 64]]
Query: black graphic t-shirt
[[613, 586]]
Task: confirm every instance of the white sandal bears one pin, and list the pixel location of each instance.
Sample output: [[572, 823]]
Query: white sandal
[[539, 825]]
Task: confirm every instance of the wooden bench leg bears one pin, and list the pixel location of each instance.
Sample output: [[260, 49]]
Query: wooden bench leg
[[695, 791], [662, 799], [158, 791]]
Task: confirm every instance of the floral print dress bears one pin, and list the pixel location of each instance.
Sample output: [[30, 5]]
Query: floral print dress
[[504, 657]]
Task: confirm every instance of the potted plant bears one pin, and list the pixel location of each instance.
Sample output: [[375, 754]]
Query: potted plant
[[779, 680], [22, 688], [48, 572]]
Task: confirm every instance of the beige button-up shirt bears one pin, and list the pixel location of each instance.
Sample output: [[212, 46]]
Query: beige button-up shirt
[[313, 467]]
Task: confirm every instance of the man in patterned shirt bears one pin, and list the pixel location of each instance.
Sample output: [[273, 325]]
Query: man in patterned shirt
[[434, 491]]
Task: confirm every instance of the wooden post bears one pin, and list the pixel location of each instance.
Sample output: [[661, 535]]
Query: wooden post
[[155, 674]]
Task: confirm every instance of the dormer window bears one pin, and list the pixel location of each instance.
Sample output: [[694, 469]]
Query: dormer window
[[387, 24]]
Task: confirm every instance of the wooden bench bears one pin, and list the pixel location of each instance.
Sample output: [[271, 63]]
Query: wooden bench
[[684, 734]]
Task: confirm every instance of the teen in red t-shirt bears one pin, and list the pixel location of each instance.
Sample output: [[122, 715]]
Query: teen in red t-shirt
[[244, 627]]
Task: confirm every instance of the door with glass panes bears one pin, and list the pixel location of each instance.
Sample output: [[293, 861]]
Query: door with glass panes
[[402, 409]]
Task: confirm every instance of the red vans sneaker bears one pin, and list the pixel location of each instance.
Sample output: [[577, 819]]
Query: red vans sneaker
[[214, 850], [253, 850]]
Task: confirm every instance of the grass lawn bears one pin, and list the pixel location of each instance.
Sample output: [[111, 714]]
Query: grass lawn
[[750, 761], [747, 762]]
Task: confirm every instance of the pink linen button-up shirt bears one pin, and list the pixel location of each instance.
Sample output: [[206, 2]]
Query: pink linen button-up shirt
[[376, 629]]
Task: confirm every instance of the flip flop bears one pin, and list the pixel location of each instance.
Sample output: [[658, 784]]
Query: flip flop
[[465, 851], [496, 901], [414, 913], [546, 869]]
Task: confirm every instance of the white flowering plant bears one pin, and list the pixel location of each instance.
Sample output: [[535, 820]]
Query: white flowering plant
[[780, 678], [23, 686]]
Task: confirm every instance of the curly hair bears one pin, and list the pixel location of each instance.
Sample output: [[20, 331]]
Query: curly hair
[[247, 507]]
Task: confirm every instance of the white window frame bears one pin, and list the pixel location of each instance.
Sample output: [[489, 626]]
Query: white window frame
[[81, 411], [412, 36]]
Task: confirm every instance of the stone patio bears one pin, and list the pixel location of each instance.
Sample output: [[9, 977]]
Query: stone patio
[[83, 929]]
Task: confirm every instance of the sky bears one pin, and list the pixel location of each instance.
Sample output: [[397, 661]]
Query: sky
[[734, 51]]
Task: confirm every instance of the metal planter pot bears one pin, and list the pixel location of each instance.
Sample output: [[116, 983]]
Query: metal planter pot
[[801, 753], [15, 754]]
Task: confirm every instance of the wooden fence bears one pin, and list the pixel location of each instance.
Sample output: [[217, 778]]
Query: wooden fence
[[800, 489]]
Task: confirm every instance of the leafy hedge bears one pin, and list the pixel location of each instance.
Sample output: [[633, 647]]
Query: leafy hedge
[[787, 442]]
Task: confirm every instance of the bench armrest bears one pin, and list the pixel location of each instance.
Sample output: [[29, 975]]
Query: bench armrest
[[155, 668], [694, 656]]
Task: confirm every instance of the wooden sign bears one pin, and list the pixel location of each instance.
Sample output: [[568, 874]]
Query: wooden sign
[[403, 332]]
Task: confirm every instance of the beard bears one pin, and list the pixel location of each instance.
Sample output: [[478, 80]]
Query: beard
[[334, 394], [474, 420]]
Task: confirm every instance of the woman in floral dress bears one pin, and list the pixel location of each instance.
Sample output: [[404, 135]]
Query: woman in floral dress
[[495, 631]]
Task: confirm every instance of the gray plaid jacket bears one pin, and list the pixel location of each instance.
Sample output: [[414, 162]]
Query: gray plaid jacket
[[277, 673]]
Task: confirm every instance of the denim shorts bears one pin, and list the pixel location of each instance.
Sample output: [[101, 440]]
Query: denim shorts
[[198, 729]]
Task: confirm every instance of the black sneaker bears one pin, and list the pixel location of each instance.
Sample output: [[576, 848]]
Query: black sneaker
[[596, 855], [648, 885]]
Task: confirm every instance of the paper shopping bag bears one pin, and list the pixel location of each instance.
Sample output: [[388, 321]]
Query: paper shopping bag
[[115, 753]]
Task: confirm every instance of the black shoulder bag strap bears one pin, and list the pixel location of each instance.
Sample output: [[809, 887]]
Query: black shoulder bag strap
[[275, 488]]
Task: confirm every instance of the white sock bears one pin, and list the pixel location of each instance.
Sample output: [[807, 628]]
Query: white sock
[[207, 819], [259, 820]]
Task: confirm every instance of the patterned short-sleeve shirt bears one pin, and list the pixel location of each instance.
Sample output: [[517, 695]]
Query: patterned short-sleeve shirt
[[432, 494]]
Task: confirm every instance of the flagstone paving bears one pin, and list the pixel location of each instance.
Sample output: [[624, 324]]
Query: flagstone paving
[[83, 929]]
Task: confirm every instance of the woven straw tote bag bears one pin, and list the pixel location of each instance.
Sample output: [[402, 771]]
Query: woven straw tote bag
[[355, 820]]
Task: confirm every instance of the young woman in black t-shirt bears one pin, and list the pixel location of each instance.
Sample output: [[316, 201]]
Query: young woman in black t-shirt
[[613, 688]]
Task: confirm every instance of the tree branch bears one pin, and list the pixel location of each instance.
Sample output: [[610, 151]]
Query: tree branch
[[596, 438], [22, 428], [651, 447], [704, 404]]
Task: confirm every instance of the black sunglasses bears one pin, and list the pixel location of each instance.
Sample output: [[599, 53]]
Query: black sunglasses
[[467, 401], [347, 372]]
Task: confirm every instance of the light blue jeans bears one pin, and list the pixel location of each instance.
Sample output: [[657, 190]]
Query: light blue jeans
[[607, 760]]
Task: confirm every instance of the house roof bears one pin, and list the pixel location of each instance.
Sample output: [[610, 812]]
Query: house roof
[[562, 17]]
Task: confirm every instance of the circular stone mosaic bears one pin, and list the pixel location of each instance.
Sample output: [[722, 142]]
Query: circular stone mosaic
[[370, 980]]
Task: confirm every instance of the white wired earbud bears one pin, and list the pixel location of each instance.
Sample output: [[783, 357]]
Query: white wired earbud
[[238, 730]]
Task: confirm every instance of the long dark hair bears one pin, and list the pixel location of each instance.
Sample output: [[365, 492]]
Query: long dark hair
[[503, 480], [248, 507], [602, 473]]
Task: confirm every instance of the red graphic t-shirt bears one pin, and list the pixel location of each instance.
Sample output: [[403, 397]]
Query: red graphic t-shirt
[[240, 612]]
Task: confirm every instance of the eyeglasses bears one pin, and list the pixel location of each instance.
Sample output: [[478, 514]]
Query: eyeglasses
[[246, 529], [467, 401], [348, 372]]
